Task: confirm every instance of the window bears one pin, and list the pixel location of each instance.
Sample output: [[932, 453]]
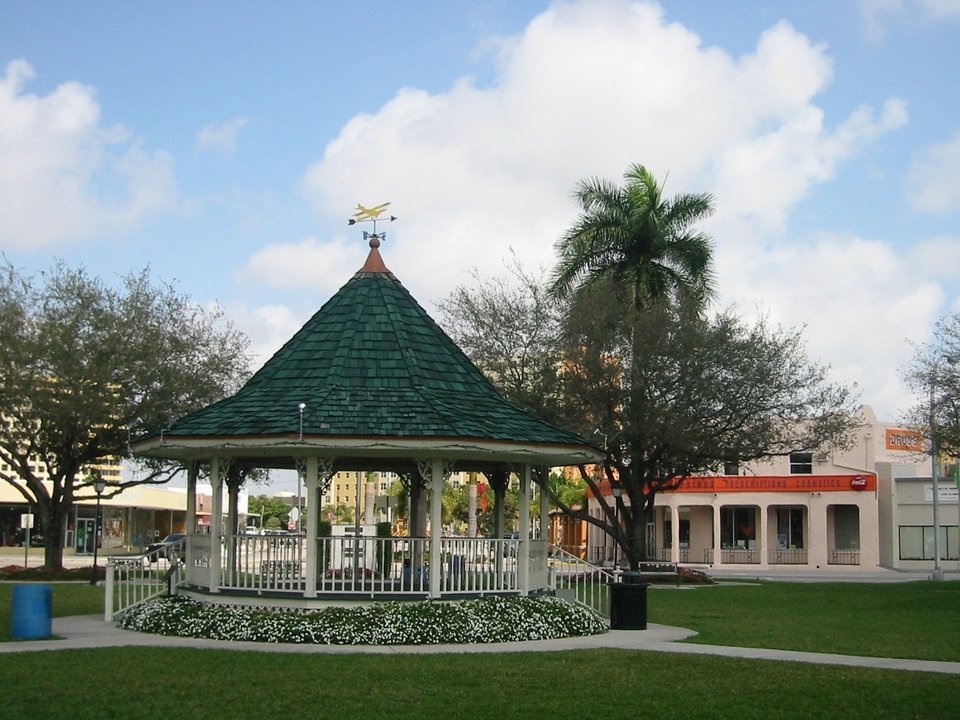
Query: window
[[846, 527], [790, 528], [737, 526], [731, 467], [916, 542], [801, 463]]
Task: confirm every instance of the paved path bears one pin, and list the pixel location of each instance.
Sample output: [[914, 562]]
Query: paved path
[[90, 631]]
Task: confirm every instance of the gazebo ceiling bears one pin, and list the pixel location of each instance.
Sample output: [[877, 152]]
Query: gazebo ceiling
[[372, 381]]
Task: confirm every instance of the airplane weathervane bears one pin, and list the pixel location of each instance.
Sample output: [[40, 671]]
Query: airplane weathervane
[[371, 214]]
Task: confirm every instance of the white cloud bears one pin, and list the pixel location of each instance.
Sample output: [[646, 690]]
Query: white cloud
[[63, 175], [590, 87], [932, 179], [221, 138], [587, 89], [860, 301], [306, 264], [879, 15], [267, 326]]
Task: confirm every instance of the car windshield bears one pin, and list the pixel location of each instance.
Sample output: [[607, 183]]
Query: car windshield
[[173, 538]]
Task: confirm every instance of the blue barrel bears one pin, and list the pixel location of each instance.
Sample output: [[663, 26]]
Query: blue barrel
[[32, 612]]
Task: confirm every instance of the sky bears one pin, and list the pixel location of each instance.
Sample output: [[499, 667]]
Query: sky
[[224, 145]]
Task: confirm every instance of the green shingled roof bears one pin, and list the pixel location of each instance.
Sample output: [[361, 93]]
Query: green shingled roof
[[371, 362]]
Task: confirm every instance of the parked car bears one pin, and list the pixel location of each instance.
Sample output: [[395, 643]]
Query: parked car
[[36, 537], [172, 547]]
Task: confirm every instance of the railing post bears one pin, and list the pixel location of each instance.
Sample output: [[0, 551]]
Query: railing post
[[523, 549], [108, 592], [436, 526], [313, 516], [216, 522]]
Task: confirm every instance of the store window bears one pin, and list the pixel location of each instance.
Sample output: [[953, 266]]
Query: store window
[[846, 527], [801, 463], [790, 528], [916, 542], [738, 526]]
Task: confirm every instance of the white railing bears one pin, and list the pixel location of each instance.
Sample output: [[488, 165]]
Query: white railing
[[578, 581], [344, 566], [198, 560], [479, 566], [374, 566], [134, 579], [788, 556], [262, 563]]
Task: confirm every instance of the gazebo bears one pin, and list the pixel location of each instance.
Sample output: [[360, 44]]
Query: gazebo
[[369, 383]]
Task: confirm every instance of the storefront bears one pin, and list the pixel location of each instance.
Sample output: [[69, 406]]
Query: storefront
[[907, 519], [811, 521], [128, 522]]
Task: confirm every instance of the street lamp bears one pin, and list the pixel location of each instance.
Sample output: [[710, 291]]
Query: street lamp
[[98, 486], [937, 569], [617, 489]]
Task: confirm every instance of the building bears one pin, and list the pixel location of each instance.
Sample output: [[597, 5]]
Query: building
[[906, 522], [809, 510], [129, 521]]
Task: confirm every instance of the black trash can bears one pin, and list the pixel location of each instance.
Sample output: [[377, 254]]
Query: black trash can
[[628, 603]]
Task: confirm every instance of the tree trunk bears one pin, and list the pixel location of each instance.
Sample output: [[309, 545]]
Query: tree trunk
[[53, 521], [636, 535]]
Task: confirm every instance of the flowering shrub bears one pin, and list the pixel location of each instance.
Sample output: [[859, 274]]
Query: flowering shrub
[[17, 573], [693, 576], [488, 620]]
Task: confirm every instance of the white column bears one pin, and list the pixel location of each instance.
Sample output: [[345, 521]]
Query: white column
[[190, 524], [760, 534], [545, 513], [472, 509], [817, 531], [523, 551], [674, 534], [216, 522], [717, 555], [369, 500], [313, 515], [436, 525]]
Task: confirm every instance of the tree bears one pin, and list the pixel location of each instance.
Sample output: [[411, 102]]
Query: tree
[[338, 514], [570, 491], [704, 392], [646, 244], [934, 373], [273, 511], [83, 365], [510, 328]]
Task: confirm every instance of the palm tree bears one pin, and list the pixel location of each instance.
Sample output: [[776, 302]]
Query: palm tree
[[646, 244], [648, 250]]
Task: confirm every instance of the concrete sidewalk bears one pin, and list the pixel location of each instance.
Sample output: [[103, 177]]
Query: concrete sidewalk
[[90, 631]]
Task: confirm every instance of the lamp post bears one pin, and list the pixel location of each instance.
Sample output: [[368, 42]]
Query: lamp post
[[617, 489], [937, 569], [98, 486]]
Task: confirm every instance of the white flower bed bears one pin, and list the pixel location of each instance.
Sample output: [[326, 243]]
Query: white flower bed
[[487, 620]]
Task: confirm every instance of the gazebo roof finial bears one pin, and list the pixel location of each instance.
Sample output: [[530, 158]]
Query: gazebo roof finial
[[374, 262]]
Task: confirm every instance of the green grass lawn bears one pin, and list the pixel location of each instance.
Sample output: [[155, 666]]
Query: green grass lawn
[[904, 620], [170, 683], [899, 620]]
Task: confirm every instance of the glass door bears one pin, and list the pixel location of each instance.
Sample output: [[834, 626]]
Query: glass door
[[84, 537]]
